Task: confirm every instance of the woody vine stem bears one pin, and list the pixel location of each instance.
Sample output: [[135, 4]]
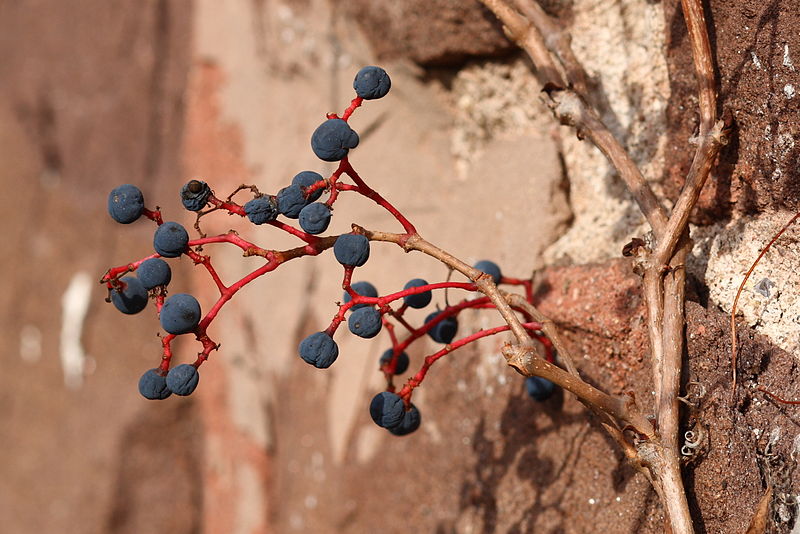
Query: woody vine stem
[[654, 450]]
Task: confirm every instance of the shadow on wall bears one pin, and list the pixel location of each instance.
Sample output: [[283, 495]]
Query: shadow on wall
[[159, 474], [520, 451]]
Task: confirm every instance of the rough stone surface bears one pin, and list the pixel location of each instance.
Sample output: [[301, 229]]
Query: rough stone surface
[[770, 301], [757, 55], [621, 45], [432, 33]]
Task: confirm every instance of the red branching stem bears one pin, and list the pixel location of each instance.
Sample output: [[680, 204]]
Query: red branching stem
[[390, 328], [331, 183], [445, 313], [167, 353], [321, 184], [205, 261], [154, 215], [400, 319], [115, 272], [764, 390], [526, 284], [230, 237], [208, 346], [227, 205], [159, 300], [355, 103], [288, 228], [417, 379], [387, 299], [230, 291], [234, 208], [347, 280], [373, 195]]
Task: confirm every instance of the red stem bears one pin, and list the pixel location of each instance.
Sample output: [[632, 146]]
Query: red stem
[[373, 195], [417, 379]]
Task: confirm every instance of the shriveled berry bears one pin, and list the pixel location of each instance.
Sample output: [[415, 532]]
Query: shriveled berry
[[315, 218], [262, 210], [132, 298], [307, 179], [490, 268], [153, 273], [351, 249], [319, 349], [182, 380], [333, 139], [365, 322], [291, 201], [125, 203], [410, 422], [371, 83], [387, 409], [417, 300], [194, 195], [365, 289], [402, 361], [170, 239], [180, 314], [153, 385]]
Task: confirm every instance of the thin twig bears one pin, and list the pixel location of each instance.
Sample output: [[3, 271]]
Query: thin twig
[[548, 327], [522, 355], [559, 42], [527, 36], [572, 110]]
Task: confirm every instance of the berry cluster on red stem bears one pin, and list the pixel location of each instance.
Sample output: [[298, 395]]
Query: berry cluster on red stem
[[366, 312]]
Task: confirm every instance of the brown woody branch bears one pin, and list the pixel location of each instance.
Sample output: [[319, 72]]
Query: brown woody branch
[[664, 266]]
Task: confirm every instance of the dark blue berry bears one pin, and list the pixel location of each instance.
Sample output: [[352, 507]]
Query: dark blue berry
[[154, 272], [371, 83], [315, 218], [180, 314], [319, 349], [539, 388], [365, 289], [351, 249], [125, 203], [409, 423], [133, 297], [365, 322], [291, 201], [262, 210], [445, 330], [402, 361], [170, 239], [387, 409], [182, 380], [307, 179], [194, 195], [417, 300], [490, 268], [153, 385], [333, 139]]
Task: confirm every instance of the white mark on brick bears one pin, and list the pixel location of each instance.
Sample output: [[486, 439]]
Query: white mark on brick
[[74, 305], [789, 90]]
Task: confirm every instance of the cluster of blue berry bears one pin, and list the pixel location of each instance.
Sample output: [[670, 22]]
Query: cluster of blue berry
[[368, 312]]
